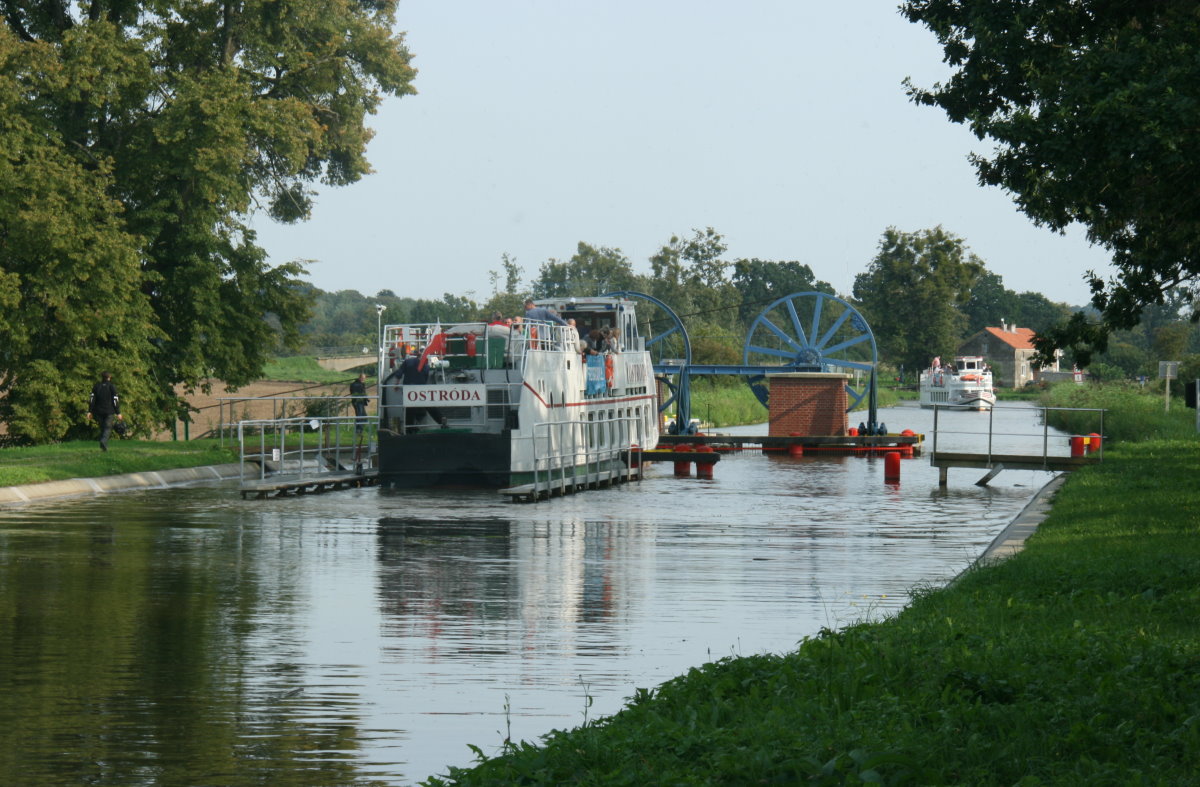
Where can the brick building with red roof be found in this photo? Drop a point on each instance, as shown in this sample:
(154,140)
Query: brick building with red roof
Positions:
(1009,351)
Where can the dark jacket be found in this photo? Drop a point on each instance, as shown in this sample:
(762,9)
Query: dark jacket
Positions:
(411,372)
(358,390)
(104,399)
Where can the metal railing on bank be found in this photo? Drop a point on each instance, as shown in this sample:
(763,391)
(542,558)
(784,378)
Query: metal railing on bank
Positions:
(284,408)
(1069,448)
(304,448)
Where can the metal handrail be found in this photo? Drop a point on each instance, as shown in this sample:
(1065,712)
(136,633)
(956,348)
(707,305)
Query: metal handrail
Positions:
(233,401)
(551,460)
(336,435)
(1045,433)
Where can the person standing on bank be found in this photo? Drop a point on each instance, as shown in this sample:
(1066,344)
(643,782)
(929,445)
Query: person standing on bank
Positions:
(358,393)
(104,406)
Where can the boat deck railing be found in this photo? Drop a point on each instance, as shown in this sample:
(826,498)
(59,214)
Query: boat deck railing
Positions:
(306,449)
(476,345)
(573,455)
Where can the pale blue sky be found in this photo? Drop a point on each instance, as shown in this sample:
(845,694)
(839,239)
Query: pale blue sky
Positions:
(542,123)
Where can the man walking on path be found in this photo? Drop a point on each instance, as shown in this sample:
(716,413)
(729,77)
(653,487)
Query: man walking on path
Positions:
(103,405)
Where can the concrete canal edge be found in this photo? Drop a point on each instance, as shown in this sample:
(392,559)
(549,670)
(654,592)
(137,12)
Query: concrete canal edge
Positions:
(1011,539)
(81,487)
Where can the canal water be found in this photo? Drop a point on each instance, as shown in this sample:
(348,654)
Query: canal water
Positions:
(185,636)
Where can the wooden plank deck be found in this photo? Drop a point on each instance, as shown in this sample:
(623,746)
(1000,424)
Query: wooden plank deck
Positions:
(944,460)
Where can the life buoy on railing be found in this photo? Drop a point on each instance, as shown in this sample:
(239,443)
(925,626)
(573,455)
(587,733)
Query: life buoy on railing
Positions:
(470,345)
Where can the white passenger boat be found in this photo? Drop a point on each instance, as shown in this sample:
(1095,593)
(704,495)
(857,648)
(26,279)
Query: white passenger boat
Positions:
(965,384)
(499,406)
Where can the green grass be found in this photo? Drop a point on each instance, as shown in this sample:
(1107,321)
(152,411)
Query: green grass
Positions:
(1132,414)
(730,402)
(305,369)
(1075,662)
(85,460)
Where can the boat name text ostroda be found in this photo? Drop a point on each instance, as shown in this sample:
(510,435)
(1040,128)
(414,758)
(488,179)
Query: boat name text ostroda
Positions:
(444,394)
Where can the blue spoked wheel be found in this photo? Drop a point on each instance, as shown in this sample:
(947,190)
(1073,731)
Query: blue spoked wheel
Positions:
(812,332)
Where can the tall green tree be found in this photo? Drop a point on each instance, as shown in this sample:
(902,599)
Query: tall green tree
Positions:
(760,282)
(183,118)
(592,270)
(1093,106)
(913,294)
(70,299)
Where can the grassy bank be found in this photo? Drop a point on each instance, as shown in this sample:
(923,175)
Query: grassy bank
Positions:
(306,369)
(730,402)
(85,460)
(1075,662)
(1132,413)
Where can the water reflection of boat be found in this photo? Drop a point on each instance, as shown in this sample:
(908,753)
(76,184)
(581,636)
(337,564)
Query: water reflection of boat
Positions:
(966,384)
(494,403)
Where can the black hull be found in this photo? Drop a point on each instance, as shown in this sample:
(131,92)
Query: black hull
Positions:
(444,458)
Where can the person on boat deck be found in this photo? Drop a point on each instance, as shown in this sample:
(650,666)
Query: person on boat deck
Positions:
(596,342)
(533,312)
(611,341)
(412,373)
(579,344)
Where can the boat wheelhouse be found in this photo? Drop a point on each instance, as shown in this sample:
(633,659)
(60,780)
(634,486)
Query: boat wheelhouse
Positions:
(495,405)
(965,384)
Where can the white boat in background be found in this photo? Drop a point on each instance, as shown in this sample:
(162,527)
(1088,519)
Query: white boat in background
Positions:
(965,384)
(511,404)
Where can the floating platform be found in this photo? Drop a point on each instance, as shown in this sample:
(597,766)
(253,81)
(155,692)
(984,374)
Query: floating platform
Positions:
(661,455)
(569,484)
(845,445)
(285,484)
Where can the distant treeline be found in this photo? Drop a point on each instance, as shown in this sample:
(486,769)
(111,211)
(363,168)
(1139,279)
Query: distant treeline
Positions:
(923,293)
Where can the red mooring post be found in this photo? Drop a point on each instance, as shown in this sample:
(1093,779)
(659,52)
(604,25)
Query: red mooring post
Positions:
(683,468)
(704,469)
(891,466)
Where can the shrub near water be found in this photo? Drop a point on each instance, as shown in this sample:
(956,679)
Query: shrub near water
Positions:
(1131,412)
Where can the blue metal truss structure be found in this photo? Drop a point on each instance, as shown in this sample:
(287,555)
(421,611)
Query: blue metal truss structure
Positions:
(801,332)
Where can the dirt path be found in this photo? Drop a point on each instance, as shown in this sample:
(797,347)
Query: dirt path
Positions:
(271,399)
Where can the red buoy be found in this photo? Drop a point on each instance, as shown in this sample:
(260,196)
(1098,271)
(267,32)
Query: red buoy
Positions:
(683,467)
(891,466)
(1093,443)
(796,449)
(704,469)
(852,431)
(1077,445)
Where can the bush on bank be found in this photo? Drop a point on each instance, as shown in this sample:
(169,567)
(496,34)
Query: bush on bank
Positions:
(1076,661)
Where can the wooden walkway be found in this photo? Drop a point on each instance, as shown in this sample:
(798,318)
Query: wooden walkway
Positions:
(994,463)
